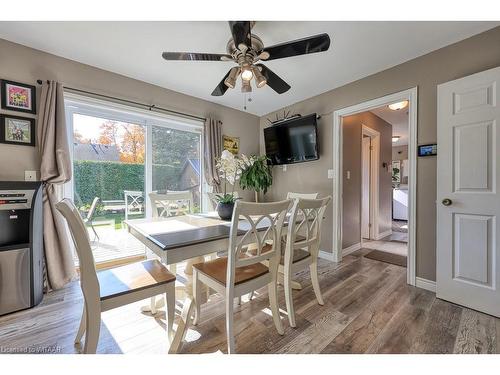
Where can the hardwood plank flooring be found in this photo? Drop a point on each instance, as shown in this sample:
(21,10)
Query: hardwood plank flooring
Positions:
(368,308)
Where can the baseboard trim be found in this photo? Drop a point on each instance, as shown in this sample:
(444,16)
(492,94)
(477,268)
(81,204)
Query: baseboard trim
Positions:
(327,255)
(351,249)
(426,284)
(384,234)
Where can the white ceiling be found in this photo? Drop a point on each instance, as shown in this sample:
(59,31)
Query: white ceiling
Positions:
(398,120)
(134,49)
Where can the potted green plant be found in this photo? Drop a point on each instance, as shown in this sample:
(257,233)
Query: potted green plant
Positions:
(229,168)
(256,174)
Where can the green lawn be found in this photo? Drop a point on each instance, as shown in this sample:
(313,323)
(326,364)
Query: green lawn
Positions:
(117,217)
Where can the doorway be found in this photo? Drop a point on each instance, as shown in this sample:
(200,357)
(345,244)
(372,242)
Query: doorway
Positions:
(341,176)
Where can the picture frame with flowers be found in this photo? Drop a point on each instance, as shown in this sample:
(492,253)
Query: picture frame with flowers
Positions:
(16,96)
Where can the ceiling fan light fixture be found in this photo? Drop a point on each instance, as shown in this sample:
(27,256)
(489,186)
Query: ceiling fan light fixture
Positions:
(260,80)
(246,74)
(245,86)
(230,81)
(398,106)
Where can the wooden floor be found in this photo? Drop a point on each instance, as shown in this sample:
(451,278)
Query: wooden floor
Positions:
(368,309)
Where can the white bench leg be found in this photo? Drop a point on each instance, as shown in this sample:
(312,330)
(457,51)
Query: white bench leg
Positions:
(170,310)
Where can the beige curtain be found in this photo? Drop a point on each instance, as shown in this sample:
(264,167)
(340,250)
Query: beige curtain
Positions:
(55,170)
(213,150)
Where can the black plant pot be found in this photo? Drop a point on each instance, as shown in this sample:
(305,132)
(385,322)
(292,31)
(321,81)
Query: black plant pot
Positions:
(225,210)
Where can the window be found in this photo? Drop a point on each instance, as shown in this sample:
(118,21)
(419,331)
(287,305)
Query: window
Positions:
(120,154)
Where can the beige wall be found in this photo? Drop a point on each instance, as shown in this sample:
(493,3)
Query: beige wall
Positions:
(351,160)
(23,64)
(469,56)
(400,152)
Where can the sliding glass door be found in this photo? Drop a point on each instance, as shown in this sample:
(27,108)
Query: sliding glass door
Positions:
(120,155)
(176,163)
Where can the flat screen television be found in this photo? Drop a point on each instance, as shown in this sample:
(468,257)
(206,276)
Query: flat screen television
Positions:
(292,141)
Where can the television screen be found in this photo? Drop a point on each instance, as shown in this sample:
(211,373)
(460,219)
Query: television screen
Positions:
(292,141)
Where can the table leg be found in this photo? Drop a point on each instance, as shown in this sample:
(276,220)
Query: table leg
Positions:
(189,264)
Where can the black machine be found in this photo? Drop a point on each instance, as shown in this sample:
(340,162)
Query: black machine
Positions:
(21,245)
(292,141)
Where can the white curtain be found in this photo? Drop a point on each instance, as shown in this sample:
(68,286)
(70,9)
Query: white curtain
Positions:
(213,150)
(55,170)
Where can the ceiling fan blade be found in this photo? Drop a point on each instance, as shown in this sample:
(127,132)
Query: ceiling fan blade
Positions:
(273,80)
(221,87)
(241,32)
(194,56)
(312,44)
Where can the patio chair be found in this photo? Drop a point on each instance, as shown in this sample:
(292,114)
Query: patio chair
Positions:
(90,216)
(133,200)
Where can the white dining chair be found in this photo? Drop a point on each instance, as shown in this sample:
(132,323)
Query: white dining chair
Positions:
(302,247)
(171,203)
(109,289)
(241,272)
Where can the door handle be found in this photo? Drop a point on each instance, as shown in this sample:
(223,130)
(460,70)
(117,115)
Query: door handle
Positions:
(446,202)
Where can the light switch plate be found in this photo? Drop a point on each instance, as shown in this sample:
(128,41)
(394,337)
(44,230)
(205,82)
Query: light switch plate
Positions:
(348,175)
(330,173)
(29,175)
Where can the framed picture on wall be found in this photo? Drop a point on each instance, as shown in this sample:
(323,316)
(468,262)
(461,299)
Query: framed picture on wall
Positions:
(396,171)
(17,96)
(232,144)
(17,130)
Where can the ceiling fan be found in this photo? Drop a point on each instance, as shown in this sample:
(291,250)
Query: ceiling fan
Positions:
(246,49)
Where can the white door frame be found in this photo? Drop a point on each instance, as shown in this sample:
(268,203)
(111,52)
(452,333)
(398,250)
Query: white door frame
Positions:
(411,96)
(374,181)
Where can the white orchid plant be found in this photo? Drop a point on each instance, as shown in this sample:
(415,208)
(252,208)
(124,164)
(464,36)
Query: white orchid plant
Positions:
(252,172)
(229,168)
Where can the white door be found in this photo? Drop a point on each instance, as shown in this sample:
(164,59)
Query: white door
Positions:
(468,203)
(365,187)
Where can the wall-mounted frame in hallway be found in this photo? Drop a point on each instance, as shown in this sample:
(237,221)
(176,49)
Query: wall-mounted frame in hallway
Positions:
(411,96)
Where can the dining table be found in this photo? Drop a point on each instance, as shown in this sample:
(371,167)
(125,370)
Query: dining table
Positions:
(186,238)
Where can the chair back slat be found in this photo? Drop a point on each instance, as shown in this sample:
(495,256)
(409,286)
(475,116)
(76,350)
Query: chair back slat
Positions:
(81,240)
(263,224)
(306,220)
(292,195)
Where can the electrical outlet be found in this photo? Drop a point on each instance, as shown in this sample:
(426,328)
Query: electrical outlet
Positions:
(284,167)
(29,175)
(330,174)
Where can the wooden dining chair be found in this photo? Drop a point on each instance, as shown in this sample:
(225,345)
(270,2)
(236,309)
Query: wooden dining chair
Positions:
(302,246)
(171,203)
(241,272)
(109,289)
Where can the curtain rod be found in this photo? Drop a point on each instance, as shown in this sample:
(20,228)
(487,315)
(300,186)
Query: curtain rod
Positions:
(148,106)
